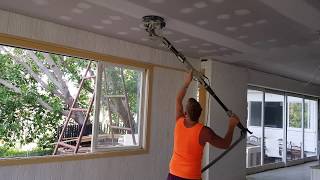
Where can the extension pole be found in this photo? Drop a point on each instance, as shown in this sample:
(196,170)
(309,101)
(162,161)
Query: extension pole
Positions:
(155,22)
(201,78)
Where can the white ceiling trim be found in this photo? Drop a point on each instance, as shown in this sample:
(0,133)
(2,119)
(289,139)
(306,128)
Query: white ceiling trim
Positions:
(138,12)
(299,11)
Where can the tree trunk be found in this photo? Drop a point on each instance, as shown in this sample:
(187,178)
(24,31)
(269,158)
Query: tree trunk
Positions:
(118,105)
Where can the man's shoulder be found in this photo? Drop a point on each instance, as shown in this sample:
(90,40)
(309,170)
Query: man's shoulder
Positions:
(181,118)
(205,131)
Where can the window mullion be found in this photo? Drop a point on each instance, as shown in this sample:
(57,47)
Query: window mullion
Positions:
(262,128)
(302,124)
(285,129)
(95,129)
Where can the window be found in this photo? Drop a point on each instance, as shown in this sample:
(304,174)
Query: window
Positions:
(37,90)
(310,127)
(284,126)
(254,140)
(310,109)
(120,107)
(273,116)
(295,131)
(295,114)
(255,113)
(273,128)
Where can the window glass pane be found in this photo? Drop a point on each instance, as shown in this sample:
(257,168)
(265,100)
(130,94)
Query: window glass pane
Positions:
(273,128)
(310,127)
(253,150)
(120,107)
(37,90)
(255,113)
(294,128)
(273,114)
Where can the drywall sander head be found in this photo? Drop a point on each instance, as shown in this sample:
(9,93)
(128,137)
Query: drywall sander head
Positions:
(153,24)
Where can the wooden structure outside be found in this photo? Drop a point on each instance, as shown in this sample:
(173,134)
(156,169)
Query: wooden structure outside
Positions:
(63,142)
(114,127)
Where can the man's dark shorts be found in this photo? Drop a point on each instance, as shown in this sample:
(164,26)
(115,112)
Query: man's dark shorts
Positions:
(173,177)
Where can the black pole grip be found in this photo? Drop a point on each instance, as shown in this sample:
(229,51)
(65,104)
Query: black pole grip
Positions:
(243,128)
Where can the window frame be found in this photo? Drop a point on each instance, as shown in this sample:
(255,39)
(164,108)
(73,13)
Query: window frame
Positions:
(142,107)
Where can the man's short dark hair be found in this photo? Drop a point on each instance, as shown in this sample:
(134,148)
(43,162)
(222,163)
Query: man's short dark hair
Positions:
(193,109)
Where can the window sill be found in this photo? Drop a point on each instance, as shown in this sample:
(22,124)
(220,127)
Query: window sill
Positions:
(131,151)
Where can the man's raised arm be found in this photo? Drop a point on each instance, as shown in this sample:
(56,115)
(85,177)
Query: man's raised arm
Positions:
(181,94)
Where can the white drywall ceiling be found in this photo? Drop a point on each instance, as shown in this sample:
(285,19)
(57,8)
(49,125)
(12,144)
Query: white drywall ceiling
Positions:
(269,35)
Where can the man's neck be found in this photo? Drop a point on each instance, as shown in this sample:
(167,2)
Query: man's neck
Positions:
(188,123)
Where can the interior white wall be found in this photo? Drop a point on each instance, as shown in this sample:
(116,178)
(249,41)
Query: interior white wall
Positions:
(166,82)
(230,84)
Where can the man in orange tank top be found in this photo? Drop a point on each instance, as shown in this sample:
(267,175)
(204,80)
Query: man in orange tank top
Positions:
(190,137)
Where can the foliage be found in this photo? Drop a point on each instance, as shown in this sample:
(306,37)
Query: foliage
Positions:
(36,92)
(11,152)
(23,119)
(112,84)
(295,115)
(131,78)
(132,83)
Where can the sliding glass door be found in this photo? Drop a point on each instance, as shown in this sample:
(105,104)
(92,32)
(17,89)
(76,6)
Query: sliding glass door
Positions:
(254,140)
(284,126)
(294,128)
(310,127)
(273,127)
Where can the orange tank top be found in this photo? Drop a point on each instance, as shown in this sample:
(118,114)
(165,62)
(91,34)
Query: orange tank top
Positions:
(187,151)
